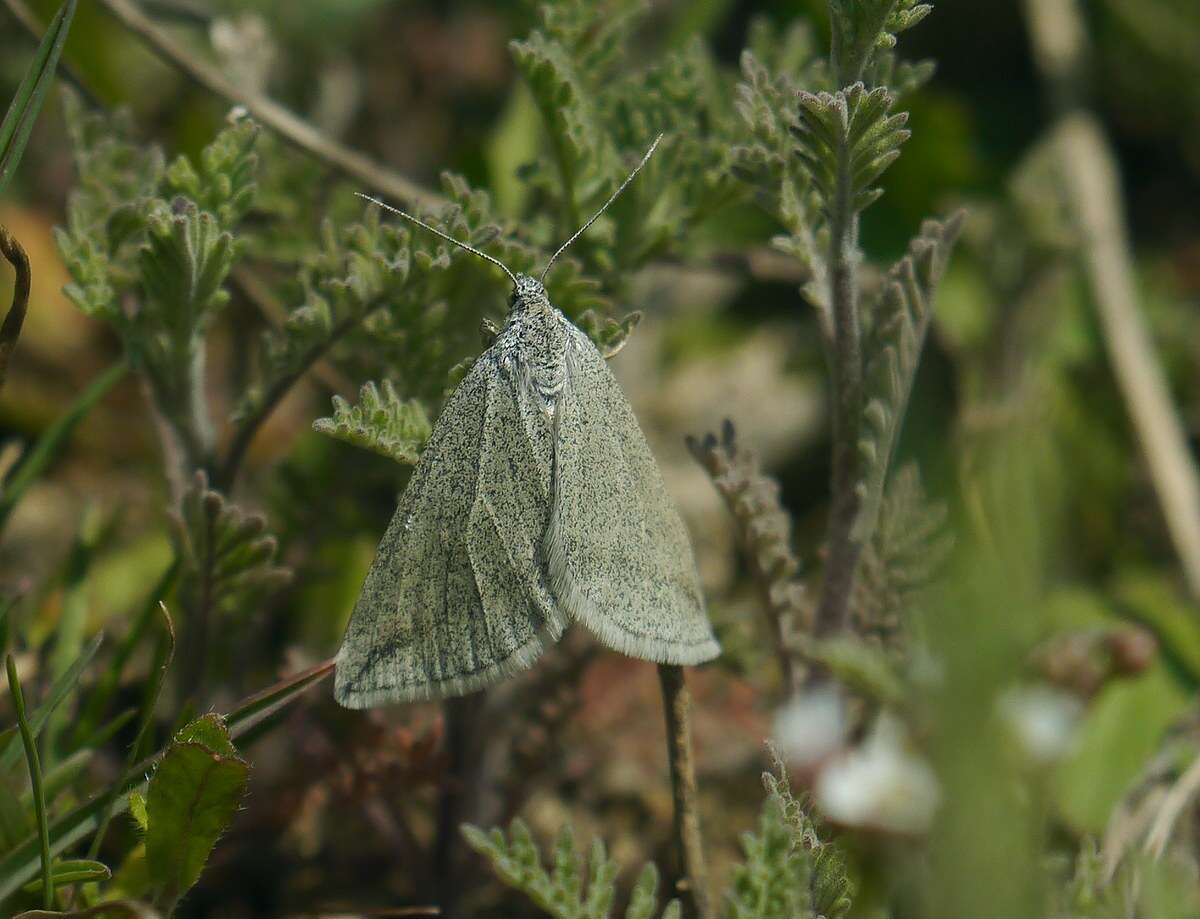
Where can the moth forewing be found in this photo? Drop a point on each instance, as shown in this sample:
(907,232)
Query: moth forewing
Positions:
(617,550)
(455,600)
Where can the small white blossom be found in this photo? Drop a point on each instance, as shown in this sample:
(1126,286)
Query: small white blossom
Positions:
(1043,719)
(882,785)
(811,727)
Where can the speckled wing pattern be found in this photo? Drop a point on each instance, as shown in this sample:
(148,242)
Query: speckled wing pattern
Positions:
(456,597)
(618,553)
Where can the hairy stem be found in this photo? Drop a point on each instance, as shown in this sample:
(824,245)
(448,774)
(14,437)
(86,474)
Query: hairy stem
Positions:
(15,318)
(846,373)
(677,708)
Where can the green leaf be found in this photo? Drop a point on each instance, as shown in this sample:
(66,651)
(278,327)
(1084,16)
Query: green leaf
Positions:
(847,140)
(789,872)
(898,327)
(863,27)
(27,103)
(137,810)
(20,864)
(908,549)
(53,440)
(192,798)
(74,871)
(227,552)
(560,891)
(381,422)
(1124,727)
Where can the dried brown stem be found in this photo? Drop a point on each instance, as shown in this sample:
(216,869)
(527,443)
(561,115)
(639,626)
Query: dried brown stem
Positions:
(15,318)
(677,708)
(1092,181)
(283,122)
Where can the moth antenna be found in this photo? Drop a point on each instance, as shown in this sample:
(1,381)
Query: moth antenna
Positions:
(446,236)
(596,216)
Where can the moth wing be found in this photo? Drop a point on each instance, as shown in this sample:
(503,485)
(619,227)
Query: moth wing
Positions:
(618,553)
(454,600)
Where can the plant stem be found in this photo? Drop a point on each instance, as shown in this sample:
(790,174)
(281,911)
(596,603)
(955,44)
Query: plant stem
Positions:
(35,779)
(283,122)
(15,318)
(462,737)
(227,471)
(677,709)
(1092,182)
(846,374)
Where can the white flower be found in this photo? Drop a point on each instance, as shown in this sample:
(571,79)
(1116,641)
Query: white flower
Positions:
(882,785)
(810,727)
(1043,719)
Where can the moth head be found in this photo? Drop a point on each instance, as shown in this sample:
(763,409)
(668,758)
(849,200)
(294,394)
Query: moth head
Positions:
(525,290)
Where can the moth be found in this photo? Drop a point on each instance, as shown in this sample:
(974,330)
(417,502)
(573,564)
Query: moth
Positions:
(536,503)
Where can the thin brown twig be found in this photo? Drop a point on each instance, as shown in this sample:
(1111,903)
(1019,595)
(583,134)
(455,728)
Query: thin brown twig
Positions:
(282,121)
(677,705)
(1092,180)
(15,318)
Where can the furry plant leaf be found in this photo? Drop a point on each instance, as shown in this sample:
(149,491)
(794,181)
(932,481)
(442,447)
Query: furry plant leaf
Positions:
(381,421)
(561,891)
(900,321)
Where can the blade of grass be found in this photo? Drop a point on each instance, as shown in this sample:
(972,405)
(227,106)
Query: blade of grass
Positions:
(166,654)
(48,446)
(20,865)
(35,779)
(23,112)
(106,686)
(58,692)
(75,871)
(58,777)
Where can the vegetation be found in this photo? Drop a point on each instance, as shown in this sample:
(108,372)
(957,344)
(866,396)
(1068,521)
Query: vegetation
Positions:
(950,533)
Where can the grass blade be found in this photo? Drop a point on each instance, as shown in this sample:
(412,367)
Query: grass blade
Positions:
(23,112)
(20,866)
(48,446)
(106,687)
(35,778)
(58,692)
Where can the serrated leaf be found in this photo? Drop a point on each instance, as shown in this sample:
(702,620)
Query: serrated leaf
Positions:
(225,548)
(21,864)
(560,891)
(899,322)
(908,548)
(846,140)
(381,422)
(190,801)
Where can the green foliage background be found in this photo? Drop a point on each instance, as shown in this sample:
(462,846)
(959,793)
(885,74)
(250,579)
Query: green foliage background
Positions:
(172,242)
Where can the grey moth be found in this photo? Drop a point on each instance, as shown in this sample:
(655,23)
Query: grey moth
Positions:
(536,503)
